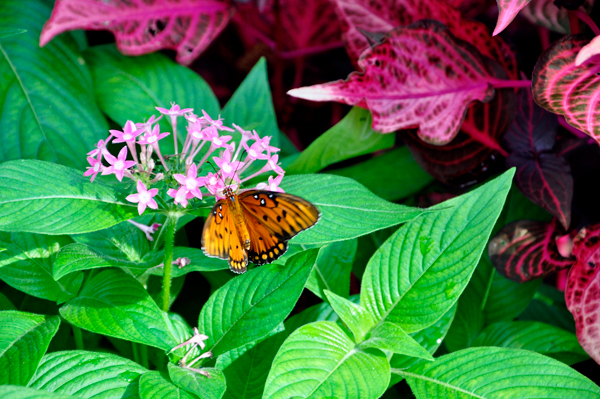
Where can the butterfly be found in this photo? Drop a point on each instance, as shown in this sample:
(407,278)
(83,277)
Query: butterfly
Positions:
(254,225)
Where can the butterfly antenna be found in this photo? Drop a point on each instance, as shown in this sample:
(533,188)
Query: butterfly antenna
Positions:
(238,167)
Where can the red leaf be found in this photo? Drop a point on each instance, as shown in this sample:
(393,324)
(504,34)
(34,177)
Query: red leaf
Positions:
(474,151)
(526,250)
(381,16)
(419,76)
(583,290)
(507,11)
(563,88)
(144,26)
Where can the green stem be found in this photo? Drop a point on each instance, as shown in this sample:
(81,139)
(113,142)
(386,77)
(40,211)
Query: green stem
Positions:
(167,265)
(136,352)
(78,337)
(144,355)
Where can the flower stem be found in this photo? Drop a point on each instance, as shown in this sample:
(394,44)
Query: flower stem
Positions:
(78,337)
(171,223)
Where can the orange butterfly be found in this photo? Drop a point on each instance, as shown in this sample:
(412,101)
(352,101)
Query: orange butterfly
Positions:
(256,226)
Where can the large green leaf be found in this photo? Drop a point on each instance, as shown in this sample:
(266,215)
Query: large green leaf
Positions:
(420,271)
(8,32)
(390,337)
(357,319)
(348,210)
(129,88)
(248,307)
(198,384)
(320,360)
(154,385)
(27,266)
(251,106)
(15,392)
(333,268)
(115,304)
(46,198)
(496,373)
(350,137)
(548,306)
(380,174)
(534,336)
(48,109)
(88,375)
(24,338)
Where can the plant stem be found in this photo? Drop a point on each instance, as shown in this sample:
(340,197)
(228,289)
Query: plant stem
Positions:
(588,20)
(136,352)
(503,84)
(171,223)
(144,355)
(78,337)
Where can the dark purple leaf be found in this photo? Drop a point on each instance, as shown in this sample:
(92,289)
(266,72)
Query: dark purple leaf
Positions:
(525,250)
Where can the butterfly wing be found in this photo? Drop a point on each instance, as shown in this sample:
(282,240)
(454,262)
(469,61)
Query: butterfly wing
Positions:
(272,219)
(220,238)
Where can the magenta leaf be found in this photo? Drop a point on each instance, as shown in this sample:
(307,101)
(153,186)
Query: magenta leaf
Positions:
(381,16)
(542,175)
(563,88)
(507,11)
(145,26)
(420,75)
(475,151)
(526,250)
(583,290)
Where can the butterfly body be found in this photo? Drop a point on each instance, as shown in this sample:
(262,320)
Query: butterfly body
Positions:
(255,226)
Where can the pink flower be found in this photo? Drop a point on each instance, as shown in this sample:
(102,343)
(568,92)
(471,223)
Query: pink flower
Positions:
(181,196)
(228,168)
(216,123)
(174,110)
(246,135)
(128,134)
(218,141)
(152,137)
(213,183)
(191,182)
(118,165)
(272,164)
(144,197)
(273,184)
(264,144)
(255,151)
(147,126)
(94,168)
(100,147)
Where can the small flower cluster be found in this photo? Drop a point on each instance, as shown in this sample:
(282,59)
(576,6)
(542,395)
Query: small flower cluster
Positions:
(179,173)
(197,340)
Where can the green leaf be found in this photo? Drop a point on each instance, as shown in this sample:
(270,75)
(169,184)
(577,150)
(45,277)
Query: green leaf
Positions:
(46,198)
(549,307)
(420,271)
(497,373)
(333,268)
(246,375)
(343,203)
(350,137)
(320,360)
(5,303)
(534,336)
(88,375)
(24,338)
(8,32)
(129,88)
(197,384)
(48,109)
(380,174)
(358,320)
(430,338)
(390,337)
(249,306)
(251,106)
(154,386)
(115,304)
(27,266)
(13,392)
(320,312)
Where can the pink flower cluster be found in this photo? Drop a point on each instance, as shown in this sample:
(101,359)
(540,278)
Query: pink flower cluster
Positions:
(205,137)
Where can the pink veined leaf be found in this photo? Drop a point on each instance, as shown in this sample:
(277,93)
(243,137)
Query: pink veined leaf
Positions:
(542,175)
(526,250)
(381,16)
(419,75)
(545,13)
(563,88)
(588,51)
(144,26)
(507,11)
(583,290)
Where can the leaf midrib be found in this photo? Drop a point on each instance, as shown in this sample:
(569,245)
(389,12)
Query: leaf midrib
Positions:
(406,374)
(17,339)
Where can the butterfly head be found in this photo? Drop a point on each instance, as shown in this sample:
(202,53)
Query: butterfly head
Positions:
(229,193)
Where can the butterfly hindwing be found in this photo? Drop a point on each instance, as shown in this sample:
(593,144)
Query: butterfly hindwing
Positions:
(273,218)
(220,238)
